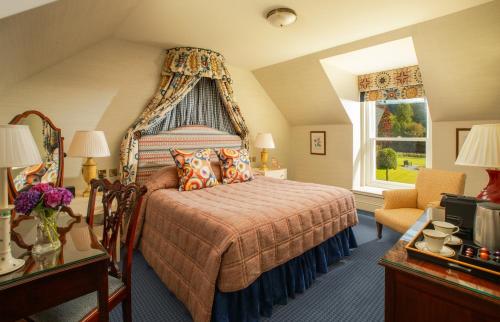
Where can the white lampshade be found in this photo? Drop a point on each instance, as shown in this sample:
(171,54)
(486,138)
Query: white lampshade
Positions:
(264,141)
(481,147)
(17,147)
(89,144)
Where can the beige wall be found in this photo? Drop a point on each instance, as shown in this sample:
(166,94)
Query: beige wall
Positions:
(458,55)
(443,154)
(106,86)
(460,64)
(261,115)
(334,168)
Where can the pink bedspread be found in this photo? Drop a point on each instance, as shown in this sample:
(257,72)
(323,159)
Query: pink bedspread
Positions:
(227,236)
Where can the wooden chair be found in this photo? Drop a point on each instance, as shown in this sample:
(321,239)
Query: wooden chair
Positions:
(121,206)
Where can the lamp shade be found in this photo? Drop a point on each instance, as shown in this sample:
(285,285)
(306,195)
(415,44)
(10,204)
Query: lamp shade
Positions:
(17,147)
(89,144)
(481,147)
(264,141)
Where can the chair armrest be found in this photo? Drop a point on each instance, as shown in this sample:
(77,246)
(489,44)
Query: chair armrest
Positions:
(434,204)
(400,198)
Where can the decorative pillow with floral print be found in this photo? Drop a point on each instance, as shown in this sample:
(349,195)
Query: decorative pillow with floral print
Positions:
(235,165)
(193,169)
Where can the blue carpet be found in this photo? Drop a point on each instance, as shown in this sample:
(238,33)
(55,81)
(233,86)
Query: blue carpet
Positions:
(353,290)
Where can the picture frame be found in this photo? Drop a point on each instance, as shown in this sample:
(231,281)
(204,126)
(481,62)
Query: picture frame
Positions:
(460,136)
(317,142)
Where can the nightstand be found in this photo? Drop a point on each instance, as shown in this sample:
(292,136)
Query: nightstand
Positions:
(273,173)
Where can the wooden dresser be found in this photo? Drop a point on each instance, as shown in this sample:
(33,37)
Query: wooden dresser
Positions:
(420,291)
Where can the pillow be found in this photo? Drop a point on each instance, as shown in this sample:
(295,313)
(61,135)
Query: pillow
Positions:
(193,169)
(235,165)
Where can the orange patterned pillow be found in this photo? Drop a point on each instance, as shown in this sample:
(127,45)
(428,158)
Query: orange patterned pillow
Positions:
(194,169)
(235,165)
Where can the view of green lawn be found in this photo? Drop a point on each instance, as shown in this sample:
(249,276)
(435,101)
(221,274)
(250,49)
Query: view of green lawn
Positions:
(402,174)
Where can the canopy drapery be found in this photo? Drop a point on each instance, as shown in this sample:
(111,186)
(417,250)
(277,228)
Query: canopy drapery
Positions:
(392,84)
(182,69)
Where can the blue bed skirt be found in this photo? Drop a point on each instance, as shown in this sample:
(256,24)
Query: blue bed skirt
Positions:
(283,282)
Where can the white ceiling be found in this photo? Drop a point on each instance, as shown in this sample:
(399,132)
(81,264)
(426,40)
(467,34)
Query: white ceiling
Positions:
(11,7)
(386,56)
(239,30)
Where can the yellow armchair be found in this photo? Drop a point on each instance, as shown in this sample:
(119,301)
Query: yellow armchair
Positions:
(402,207)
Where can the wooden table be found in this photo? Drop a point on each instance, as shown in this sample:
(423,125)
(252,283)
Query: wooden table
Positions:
(79,267)
(417,290)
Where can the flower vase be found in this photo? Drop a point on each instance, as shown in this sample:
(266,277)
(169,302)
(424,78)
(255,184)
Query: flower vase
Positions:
(47,237)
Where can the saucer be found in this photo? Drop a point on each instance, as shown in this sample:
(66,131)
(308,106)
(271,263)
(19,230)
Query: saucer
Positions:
(445,251)
(454,241)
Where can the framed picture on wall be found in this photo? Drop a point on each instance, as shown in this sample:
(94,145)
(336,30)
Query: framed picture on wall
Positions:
(318,142)
(461,135)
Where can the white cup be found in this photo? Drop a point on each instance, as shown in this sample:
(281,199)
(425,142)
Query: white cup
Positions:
(445,227)
(435,239)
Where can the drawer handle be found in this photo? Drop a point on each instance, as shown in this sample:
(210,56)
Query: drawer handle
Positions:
(464,269)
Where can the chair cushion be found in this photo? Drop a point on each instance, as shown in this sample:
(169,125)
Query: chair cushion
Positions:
(400,219)
(76,309)
(431,183)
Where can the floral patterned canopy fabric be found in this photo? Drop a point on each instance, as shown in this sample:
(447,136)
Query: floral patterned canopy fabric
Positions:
(393,84)
(182,69)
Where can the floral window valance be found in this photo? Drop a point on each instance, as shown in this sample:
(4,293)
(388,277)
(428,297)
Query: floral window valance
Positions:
(392,84)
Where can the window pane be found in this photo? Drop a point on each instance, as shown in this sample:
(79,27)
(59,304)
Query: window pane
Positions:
(401,118)
(398,161)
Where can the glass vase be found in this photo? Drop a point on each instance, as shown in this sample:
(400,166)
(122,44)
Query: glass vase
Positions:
(47,237)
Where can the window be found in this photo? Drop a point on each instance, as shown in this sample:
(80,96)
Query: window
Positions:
(396,141)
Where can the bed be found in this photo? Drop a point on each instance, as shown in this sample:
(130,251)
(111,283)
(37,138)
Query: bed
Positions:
(231,251)
(212,247)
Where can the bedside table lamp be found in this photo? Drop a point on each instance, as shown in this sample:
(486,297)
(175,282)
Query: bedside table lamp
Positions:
(17,149)
(264,141)
(89,144)
(482,149)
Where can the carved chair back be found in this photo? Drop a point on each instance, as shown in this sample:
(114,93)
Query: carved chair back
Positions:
(121,205)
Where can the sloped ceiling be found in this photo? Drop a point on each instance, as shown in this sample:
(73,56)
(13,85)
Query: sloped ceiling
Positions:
(239,30)
(35,39)
(459,57)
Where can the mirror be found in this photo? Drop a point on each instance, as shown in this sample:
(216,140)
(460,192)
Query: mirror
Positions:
(50,144)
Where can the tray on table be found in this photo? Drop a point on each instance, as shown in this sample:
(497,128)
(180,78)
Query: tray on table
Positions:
(473,265)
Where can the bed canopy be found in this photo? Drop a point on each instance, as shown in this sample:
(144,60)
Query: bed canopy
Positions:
(185,96)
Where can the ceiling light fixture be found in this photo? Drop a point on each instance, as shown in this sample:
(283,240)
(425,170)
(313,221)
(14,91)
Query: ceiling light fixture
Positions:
(281,17)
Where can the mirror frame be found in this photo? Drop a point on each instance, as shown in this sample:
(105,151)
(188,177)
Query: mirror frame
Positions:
(16,120)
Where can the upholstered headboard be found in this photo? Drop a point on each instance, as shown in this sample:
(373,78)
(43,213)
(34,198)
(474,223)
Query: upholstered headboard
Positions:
(154,149)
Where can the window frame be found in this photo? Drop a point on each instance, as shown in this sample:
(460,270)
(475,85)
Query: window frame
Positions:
(369,140)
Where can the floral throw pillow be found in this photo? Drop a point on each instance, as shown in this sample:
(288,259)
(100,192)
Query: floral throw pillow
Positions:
(235,165)
(194,170)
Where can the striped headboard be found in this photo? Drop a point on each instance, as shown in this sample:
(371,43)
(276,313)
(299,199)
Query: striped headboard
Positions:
(154,149)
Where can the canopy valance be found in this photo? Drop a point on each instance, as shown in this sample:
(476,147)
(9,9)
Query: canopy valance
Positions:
(182,69)
(195,62)
(393,84)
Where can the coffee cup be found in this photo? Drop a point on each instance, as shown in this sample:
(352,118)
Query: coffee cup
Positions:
(435,239)
(445,227)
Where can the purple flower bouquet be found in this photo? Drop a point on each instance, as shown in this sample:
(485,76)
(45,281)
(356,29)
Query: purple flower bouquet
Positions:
(45,202)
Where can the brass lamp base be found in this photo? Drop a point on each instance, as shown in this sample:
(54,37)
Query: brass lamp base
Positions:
(264,156)
(89,172)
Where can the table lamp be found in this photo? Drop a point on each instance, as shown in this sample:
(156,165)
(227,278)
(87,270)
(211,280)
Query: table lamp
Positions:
(17,149)
(482,149)
(89,144)
(264,141)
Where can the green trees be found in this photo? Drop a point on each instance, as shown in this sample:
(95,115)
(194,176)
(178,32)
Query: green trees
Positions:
(387,159)
(402,120)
